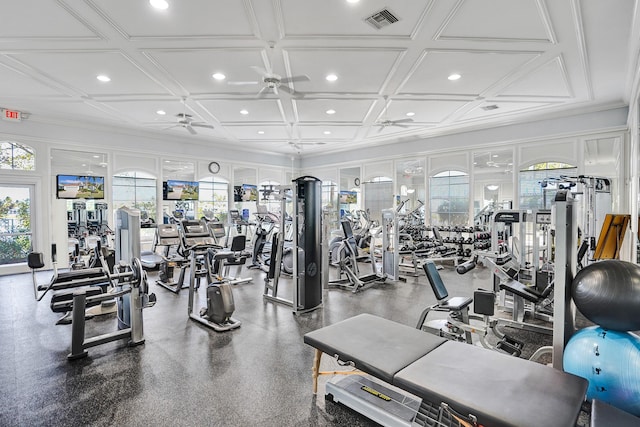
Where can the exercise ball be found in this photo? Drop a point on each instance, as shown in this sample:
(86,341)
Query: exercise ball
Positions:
(608,294)
(610,361)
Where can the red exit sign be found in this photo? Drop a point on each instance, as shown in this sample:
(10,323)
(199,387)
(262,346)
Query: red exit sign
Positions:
(11,115)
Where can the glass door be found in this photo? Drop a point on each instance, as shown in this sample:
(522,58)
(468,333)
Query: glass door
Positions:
(15,223)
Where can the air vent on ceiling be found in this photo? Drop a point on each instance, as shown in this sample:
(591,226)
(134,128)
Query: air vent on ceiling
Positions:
(381,18)
(490,107)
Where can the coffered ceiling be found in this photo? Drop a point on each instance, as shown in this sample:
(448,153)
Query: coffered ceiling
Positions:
(515,59)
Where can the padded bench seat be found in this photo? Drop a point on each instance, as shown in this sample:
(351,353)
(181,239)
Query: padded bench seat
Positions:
(374,345)
(605,415)
(500,390)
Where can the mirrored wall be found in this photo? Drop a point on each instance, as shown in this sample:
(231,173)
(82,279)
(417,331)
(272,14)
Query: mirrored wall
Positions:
(179,190)
(245,192)
(80,213)
(411,188)
(492,181)
(349,193)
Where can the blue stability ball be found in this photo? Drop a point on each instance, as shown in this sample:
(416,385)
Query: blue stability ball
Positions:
(608,294)
(610,361)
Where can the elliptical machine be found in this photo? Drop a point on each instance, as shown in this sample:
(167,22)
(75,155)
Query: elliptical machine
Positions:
(220,305)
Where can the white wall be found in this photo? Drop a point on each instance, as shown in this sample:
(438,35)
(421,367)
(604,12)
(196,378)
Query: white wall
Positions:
(533,140)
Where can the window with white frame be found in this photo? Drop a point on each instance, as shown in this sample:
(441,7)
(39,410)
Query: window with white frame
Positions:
(540,182)
(213,201)
(449,198)
(16,156)
(136,190)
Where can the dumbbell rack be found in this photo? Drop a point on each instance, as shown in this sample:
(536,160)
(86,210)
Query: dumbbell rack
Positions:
(464,238)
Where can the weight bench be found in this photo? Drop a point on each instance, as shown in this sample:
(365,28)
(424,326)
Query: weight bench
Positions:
(495,389)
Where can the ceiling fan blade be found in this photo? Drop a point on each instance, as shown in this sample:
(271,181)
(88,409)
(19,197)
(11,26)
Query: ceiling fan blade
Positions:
(191,130)
(380,127)
(400,125)
(292,93)
(300,78)
(263,92)
(260,70)
(201,125)
(171,127)
(242,83)
(408,120)
(286,89)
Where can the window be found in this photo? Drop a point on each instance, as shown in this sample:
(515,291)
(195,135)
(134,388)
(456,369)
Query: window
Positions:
(213,201)
(16,156)
(15,223)
(533,195)
(449,199)
(135,190)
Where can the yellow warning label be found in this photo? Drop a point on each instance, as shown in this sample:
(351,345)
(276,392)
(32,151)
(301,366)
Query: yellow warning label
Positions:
(375,393)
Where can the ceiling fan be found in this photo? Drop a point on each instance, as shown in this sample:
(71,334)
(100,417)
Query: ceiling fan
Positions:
(298,145)
(273,82)
(387,122)
(186,121)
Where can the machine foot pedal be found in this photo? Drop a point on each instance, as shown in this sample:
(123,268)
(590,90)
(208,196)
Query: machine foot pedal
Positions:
(510,345)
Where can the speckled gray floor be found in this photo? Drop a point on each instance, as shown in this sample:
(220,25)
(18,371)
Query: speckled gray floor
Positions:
(186,374)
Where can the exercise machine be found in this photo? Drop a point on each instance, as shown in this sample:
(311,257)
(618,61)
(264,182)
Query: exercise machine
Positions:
(76,291)
(591,197)
(347,264)
(218,312)
(305,195)
(267,222)
(168,237)
(458,326)
(233,256)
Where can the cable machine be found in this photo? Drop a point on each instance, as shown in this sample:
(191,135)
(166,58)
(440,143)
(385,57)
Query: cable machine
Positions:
(305,195)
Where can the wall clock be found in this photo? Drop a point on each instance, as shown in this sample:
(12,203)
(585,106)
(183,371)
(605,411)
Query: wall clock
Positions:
(214,167)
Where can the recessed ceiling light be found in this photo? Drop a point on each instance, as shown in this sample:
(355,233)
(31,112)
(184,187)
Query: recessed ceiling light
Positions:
(331,77)
(161,112)
(103,78)
(167,161)
(353,1)
(95,156)
(454,76)
(244,112)
(327,132)
(411,114)
(330,111)
(495,155)
(219,76)
(260,132)
(159,4)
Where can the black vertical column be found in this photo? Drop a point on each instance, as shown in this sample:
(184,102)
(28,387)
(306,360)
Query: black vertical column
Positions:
(309,201)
